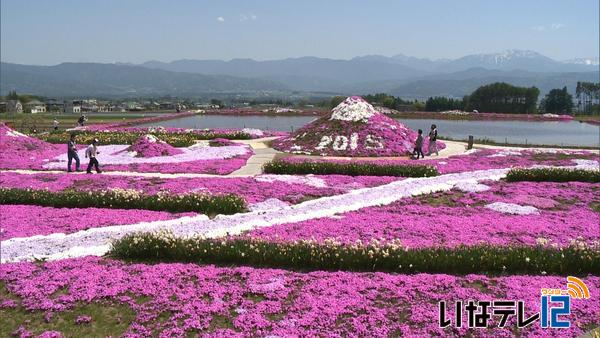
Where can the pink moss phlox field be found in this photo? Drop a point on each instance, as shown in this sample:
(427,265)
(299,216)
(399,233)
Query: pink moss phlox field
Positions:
(30,220)
(253,133)
(458,218)
(353,128)
(481,159)
(150,146)
(252,189)
(221,142)
(259,302)
(214,167)
(19,151)
(134,122)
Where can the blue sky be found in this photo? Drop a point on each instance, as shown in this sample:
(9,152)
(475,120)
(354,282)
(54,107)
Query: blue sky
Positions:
(50,32)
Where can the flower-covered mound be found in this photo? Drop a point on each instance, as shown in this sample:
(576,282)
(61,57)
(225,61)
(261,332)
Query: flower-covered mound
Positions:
(353,128)
(173,300)
(21,151)
(150,146)
(31,220)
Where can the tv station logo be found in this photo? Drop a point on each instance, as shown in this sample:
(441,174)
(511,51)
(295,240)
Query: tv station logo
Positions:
(555,308)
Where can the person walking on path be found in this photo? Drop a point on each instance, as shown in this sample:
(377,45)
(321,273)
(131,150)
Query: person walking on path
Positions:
(72,153)
(433,134)
(419,145)
(92,152)
(55,124)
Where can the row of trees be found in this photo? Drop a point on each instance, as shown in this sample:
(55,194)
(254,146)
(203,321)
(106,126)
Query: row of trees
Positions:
(588,97)
(440,103)
(502,97)
(505,98)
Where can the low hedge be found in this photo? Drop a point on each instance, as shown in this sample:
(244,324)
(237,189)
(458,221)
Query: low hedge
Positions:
(351,169)
(553,175)
(126,199)
(176,139)
(309,255)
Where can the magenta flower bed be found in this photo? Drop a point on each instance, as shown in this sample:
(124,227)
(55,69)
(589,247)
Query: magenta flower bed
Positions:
(173,299)
(150,146)
(253,189)
(30,220)
(150,119)
(19,151)
(480,160)
(215,167)
(458,218)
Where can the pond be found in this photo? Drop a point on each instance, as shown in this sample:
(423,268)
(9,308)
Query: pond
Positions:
(571,133)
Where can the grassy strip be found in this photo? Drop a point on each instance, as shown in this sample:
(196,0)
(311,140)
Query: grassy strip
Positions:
(553,175)
(126,199)
(352,169)
(127,137)
(309,255)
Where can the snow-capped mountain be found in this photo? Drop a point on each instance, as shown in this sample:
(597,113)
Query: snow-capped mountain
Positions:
(584,61)
(508,60)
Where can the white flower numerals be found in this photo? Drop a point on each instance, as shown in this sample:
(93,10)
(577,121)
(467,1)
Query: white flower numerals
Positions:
(373,142)
(341,142)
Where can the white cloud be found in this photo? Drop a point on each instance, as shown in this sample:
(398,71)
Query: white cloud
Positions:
(551,27)
(221,19)
(246,17)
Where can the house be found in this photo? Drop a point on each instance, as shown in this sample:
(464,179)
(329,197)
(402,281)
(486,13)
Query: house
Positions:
(35,106)
(14,106)
(72,107)
(54,105)
(37,109)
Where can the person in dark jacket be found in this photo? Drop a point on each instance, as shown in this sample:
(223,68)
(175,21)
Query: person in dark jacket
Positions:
(433,134)
(72,153)
(419,145)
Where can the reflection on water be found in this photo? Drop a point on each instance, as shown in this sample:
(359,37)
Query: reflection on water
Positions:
(547,132)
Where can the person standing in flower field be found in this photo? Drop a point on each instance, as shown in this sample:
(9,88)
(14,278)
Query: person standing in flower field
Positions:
(72,153)
(419,145)
(433,140)
(92,152)
(55,124)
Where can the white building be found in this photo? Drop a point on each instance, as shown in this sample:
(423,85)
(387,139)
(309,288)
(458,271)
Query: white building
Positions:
(38,109)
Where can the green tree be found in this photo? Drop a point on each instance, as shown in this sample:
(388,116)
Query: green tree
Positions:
(557,101)
(502,97)
(588,97)
(443,103)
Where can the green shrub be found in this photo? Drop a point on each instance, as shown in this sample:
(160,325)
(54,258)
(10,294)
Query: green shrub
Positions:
(351,168)
(126,199)
(176,139)
(553,175)
(310,255)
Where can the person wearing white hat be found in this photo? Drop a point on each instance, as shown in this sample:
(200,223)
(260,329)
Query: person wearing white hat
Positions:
(92,152)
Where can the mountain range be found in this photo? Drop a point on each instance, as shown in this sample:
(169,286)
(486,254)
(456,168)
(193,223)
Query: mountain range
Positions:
(401,75)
